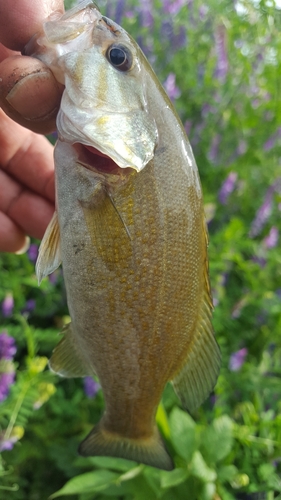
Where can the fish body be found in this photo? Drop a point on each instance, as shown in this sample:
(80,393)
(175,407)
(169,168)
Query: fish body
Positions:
(131,235)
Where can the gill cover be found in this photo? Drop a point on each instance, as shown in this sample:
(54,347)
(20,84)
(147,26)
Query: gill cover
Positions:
(101,106)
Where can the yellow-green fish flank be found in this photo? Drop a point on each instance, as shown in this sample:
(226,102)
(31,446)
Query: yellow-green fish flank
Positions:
(131,235)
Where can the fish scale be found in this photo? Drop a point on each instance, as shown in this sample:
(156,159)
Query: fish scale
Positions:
(131,236)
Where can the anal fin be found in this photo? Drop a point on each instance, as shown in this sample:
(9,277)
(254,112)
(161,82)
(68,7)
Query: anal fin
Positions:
(67,360)
(49,257)
(197,378)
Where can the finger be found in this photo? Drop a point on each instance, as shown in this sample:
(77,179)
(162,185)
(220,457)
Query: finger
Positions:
(20,20)
(27,210)
(12,238)
(29,93)
(27,157)
(4,52)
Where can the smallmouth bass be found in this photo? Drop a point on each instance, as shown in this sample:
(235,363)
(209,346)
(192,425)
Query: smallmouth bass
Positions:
(130,232)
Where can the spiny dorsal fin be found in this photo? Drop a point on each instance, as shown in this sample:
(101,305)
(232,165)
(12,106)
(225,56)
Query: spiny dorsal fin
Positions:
(49,257)
(67,360)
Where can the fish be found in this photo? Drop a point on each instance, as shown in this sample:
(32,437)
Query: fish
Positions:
(130,232)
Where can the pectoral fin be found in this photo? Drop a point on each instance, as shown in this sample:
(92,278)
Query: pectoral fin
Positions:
(67,359)
(49,257)
(112,240)
(199,374)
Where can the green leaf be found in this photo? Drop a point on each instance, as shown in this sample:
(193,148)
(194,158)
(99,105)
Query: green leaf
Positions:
(274,482)
(208,491)
(152,476)
(227,473)
(131,474)
(120,464)
(140,489)
(173,478)
(265,471)
(235,229)
(162,421)
(217,439)
(183,434)
(200,469)
(90,481)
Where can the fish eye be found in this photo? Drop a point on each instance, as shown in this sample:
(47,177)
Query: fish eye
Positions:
(120,57)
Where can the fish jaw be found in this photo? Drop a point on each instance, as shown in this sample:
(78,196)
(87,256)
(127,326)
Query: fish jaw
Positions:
(103,168)
(95,109)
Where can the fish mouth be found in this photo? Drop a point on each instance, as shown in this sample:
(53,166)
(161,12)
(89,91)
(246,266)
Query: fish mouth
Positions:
(95,160)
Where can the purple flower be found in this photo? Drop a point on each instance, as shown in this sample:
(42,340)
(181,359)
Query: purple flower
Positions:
(7,372)
(262,215)
(7,444)
(170,86)
(227,187)
(147,20)
(179,39)
(119,11)
(174,6)
(214,149)
(7,346)
(276,462)
(203,11)
(207,109)
(7,440)
(91,387)
(53,278)
(221,52)
(237,309)
(242,147)
(129,14)
(213,399)
(187,127)
(271,141)
(8,305)
(6,380)
(261,261)
(32,252)
(167,29)
(270,241)
(176,39)
(29,306)
(237,359)
(146,47)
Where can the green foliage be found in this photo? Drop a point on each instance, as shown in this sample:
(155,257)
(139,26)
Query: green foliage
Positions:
(227,65)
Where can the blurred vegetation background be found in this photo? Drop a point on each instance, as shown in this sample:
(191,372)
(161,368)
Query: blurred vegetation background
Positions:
(220,62)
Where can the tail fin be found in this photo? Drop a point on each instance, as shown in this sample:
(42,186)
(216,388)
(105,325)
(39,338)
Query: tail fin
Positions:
(149,451)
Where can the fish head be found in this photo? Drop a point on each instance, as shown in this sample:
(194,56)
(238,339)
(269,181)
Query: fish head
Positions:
(104,104)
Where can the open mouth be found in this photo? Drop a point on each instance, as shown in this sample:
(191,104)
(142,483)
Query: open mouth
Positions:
(93,159)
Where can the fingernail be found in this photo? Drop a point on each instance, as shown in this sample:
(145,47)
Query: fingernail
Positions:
(25,247)
(35,96)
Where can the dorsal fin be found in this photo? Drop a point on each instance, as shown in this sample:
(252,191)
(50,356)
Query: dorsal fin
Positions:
(67,359)
(199,374)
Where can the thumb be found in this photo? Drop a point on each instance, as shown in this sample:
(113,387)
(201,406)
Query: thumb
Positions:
(29,93)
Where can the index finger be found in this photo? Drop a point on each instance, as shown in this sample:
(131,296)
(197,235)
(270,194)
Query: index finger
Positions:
(20,20)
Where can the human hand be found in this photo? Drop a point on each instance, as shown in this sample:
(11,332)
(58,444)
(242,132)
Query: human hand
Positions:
(30,95)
